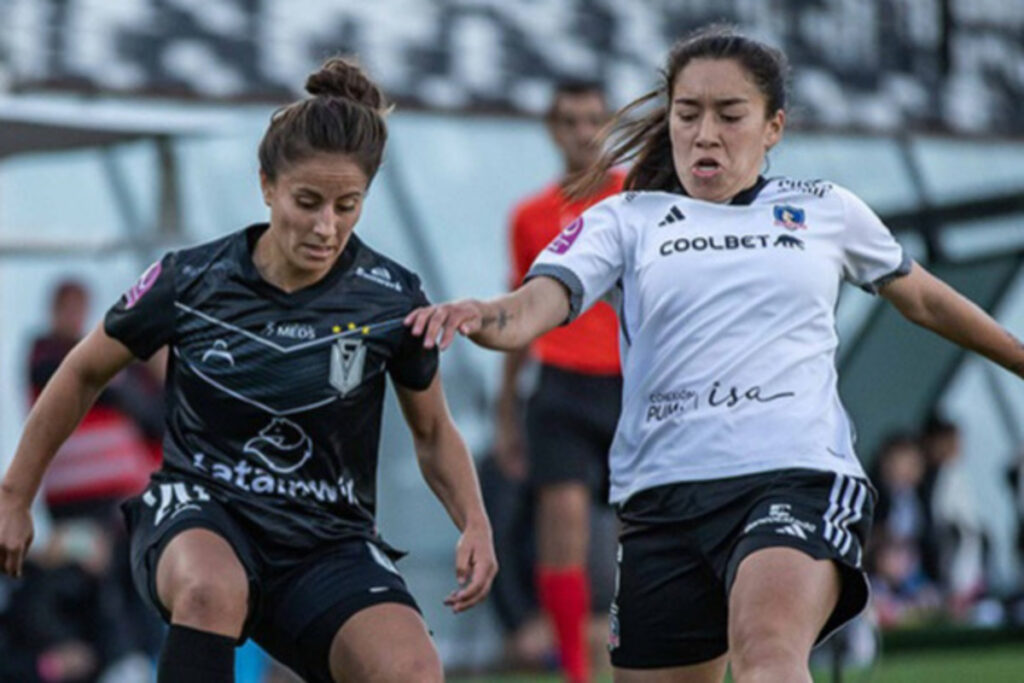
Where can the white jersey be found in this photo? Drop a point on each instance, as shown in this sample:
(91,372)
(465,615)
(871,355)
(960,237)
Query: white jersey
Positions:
(727,324)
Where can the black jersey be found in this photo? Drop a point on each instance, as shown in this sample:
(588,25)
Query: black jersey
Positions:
(274,399)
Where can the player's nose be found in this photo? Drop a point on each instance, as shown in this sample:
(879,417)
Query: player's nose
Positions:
(324,226)
(707,132)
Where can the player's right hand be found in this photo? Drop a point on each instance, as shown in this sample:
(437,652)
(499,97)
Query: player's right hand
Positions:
(445,320)
(475,568)
(16,534)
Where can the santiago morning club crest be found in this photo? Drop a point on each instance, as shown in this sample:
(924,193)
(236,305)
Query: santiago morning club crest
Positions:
(348,356)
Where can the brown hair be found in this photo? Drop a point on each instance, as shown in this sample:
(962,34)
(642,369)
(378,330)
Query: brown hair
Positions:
(645,140)
(68,288)
(571,88)
(345,115)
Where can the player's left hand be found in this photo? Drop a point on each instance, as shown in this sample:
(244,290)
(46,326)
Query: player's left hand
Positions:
(475,567)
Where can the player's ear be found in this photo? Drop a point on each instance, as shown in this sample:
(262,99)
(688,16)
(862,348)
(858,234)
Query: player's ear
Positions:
(266,187)
(773,130)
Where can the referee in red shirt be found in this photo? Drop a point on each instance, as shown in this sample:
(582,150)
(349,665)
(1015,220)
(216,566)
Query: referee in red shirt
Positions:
(571,416)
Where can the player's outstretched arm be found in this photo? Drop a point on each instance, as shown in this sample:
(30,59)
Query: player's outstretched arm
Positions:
(65,400)
(931,303)
(448,469)
(508,322)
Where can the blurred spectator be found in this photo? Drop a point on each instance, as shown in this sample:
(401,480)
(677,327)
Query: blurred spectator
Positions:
(108,458)
(903,512)
(1015,478)
(959,541)
(902,594)
(1014,600)
(62,622)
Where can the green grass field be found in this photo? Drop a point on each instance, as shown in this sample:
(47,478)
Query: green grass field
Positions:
(1004,664)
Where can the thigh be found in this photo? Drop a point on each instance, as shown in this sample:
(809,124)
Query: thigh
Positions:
(306,607)
(823,517)
(178,532)
(669,609)
(781,596)
(385,643)
(563,524)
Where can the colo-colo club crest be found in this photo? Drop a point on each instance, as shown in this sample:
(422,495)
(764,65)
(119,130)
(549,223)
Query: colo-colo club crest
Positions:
(348,356)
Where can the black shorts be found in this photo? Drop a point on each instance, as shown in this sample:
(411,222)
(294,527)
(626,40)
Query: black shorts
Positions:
(570,422)
(681,545)
(296,605)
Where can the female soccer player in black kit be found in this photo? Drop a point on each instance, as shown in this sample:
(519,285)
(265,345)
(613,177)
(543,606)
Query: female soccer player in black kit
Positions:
(261,522)
(744,509)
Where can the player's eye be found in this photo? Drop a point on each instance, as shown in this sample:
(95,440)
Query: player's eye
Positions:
(688,117)
(306,202)
(347,207)
(733,112)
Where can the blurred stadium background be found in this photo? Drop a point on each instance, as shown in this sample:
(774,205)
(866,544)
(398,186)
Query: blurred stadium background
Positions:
(130,126)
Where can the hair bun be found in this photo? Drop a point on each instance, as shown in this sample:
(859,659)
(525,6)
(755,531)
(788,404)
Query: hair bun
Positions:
(340,77)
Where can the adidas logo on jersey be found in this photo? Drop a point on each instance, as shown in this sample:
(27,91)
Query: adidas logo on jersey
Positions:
(792,530)
(781,514)
(672,216)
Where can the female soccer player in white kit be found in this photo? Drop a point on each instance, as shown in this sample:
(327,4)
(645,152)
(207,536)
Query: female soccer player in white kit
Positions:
(743,505)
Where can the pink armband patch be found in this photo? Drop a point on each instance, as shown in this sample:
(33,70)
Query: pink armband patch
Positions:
(144,284)
(565,239)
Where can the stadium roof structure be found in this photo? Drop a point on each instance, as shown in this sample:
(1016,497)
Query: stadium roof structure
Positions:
(41,124)
(48,123)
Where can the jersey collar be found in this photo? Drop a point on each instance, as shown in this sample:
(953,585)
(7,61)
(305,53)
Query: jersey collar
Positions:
(301,296)
(743,198)
(746,197)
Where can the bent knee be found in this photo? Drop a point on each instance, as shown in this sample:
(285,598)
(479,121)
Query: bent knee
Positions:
(400,668)
(752,649)
(566,498)
(209,604)
(416,668)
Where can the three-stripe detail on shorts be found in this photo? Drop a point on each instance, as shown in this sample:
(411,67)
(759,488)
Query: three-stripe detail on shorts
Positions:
(845,508)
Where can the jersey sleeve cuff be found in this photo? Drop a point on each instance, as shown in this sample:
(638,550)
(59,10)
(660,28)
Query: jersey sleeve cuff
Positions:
(901,270)
(140,349)
(567,278)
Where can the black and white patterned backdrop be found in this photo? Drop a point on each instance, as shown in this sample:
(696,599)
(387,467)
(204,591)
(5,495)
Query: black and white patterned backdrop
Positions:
(952,65)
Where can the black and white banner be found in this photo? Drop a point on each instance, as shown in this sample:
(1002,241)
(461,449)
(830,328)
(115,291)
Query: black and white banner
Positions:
(880,64)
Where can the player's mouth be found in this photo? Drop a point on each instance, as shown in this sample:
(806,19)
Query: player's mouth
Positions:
(317,252)
(706,167)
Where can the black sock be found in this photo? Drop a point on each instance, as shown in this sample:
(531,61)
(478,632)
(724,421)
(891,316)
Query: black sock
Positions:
(193,656)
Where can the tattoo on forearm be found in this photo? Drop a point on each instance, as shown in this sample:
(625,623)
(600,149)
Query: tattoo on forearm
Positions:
(501,319)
